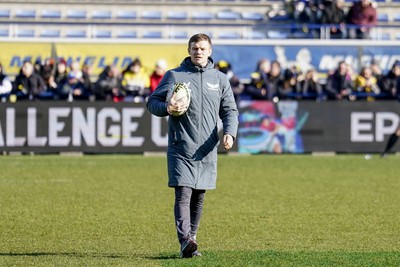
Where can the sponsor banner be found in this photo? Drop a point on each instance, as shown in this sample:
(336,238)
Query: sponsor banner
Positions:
(265,127)
(323,56)
(97,55)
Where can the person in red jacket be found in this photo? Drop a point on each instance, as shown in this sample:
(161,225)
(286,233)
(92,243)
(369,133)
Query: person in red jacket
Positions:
(360,18)
(158,73)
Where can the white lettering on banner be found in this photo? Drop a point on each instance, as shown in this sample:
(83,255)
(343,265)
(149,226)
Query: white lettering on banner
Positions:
(84,127)
(11,139)
(130,127)
(56,126)
(362,129)
(112,136)
(382,128)
(357,126)
(33,139)
(156,133)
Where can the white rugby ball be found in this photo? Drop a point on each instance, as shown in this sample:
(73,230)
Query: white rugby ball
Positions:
(179,94)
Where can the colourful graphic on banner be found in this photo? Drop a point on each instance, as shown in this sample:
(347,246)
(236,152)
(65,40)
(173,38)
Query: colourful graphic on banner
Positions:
(263,131)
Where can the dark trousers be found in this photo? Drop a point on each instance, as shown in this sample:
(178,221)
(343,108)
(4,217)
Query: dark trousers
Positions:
(188,210)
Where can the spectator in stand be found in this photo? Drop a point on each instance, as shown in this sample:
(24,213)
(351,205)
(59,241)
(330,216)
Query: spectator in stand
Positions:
(275,80)
(28,84)
(237,87)
(75,88)
(376,70)
(361,17)
(135,82)
(390,83)
(308,12)
(158,73)
(87,83)
(310,88)
(60,83)
(108,86)
(288,87)
(339,84)
(5,84)
(334,15)
(366,86)
(259,87)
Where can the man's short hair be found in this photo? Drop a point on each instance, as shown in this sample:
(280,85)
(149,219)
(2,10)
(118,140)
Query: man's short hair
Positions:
(198,38)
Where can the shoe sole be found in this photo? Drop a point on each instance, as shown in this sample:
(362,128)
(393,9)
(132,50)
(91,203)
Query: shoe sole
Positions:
(189,249)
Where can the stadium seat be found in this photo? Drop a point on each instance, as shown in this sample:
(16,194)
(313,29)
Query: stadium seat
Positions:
(102,34)
(396,17)
(50,14)
(126,34)
(279,17)
(154,15)
(255,16)
(202,15)
(152,34)
(228,15)
(4,33)
(177,15)
(25,13)
(76,14)
(256,35)
(397,37)
(75,33)
(277,35)
(229,35)
(4,13)
(126,14)
(25,33)
(178,35)
(101,14)
(50,33)
(382,17)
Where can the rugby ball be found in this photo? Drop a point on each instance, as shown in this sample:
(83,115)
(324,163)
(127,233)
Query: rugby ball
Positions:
(179,94)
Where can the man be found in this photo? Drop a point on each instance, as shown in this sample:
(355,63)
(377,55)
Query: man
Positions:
(193,137)
(391,142)
(361,16)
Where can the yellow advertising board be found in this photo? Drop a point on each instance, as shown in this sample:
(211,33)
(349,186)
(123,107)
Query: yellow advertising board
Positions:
(97,55)
(13,54)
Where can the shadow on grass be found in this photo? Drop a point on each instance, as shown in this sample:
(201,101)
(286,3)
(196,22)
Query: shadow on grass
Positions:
(67,254)
(169,256)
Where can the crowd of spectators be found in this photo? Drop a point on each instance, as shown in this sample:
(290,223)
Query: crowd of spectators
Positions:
(354,22)
(56,81)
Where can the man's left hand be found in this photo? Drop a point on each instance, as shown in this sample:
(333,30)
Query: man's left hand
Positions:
(228,141)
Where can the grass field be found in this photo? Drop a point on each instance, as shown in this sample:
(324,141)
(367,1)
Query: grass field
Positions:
(116,210)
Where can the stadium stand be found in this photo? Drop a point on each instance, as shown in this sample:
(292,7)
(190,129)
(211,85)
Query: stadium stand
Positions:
(4,13)
(50,33)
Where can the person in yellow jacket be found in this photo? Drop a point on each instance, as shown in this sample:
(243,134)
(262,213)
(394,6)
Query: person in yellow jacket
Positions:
(135,82)
(366,84)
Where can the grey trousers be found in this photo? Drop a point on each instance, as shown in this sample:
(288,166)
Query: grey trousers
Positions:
(188,209)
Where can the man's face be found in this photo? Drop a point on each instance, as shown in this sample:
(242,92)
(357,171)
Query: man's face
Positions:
(199,53)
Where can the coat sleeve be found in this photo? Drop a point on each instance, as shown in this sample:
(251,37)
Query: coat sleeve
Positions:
(156,103)
(228,111)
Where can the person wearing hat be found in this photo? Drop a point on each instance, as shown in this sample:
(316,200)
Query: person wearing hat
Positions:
(158,73)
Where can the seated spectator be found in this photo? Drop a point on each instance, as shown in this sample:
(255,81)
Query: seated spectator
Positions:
(158,73)
(288,88)
(5,84)
(334,15)
(28,84)
(390,83)
(87,83)
(47,72)
(60,83)
(236,85)
(135,82)
(339,84)
(361,17)
(376,70)
(75,88)
(264,86)
(310,88)
(366,86)
(108,86)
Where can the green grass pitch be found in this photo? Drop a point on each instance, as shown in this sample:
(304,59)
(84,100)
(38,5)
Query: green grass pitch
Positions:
(267,210)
